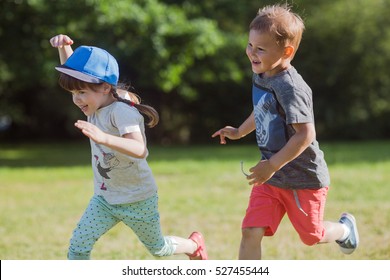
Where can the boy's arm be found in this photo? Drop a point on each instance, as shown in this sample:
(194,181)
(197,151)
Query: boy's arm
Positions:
(247,126)
(265,169)
(236,133)
(304,135)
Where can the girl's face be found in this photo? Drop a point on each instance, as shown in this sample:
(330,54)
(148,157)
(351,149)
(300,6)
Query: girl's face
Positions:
(90,100)
(265,55)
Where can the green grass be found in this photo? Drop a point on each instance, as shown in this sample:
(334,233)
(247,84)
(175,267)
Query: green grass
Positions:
(45,188)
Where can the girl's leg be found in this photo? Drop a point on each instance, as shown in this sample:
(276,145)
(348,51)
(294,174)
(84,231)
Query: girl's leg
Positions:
(250,247)
(95,222)
(184,245)
(144,219)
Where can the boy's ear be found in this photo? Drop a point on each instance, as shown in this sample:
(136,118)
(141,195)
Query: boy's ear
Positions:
(288,51)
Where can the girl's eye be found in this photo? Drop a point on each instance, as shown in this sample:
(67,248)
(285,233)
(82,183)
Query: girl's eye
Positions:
(76,92)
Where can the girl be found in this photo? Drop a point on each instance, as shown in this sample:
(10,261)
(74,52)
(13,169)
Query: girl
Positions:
(124,187)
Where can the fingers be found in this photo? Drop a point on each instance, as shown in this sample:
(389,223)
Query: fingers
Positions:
(216,133)
(81,124)
(221,135)
(60,41)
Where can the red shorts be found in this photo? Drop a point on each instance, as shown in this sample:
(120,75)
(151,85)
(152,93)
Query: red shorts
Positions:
(268,204)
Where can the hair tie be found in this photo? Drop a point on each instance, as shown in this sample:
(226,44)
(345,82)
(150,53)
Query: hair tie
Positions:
(132,103)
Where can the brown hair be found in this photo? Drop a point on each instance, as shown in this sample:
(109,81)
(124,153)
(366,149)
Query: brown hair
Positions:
(287,27)
(70,83)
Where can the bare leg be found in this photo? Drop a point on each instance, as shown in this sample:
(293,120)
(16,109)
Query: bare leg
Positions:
(250,247)
(333,232)
(184,245)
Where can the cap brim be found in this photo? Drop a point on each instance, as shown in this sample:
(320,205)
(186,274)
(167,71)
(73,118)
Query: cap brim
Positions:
(78,75)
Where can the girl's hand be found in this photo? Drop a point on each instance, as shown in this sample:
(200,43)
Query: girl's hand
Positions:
(91,131)
(60,41)
(227,131)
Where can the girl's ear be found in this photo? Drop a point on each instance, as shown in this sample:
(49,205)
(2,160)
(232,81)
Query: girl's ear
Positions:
(288,52)
(106,88)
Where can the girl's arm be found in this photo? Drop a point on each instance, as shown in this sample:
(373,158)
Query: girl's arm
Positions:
(132,144)
(63,43)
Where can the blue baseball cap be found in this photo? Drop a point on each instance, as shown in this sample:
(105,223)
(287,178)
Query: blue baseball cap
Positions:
(92,65)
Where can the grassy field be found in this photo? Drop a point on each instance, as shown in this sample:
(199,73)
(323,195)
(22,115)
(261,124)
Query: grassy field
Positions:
(45,188)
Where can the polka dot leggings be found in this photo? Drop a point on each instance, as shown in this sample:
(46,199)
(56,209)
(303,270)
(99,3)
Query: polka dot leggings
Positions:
(99,217)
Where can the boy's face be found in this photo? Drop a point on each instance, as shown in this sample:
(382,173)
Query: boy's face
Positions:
(265,55)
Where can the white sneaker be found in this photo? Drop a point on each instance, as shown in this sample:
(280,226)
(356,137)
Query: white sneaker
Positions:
(352,241)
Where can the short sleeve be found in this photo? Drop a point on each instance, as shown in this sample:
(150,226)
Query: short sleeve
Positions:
(127,119)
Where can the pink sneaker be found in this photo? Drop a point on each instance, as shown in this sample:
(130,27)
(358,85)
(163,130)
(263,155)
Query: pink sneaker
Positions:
(201,252)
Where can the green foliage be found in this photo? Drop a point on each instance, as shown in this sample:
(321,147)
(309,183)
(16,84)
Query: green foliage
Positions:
(187,59)
(345,56)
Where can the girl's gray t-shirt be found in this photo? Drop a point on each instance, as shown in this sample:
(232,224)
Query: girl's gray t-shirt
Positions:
(120,178)
(280,101)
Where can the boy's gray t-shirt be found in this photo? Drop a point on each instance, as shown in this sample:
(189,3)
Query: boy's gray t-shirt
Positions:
(120,178)
(280,101)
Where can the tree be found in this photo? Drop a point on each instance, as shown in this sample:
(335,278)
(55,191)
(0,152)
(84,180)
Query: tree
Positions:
(345,56)
(187,59)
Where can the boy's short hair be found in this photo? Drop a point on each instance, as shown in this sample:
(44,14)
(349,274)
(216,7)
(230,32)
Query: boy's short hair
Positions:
(278,20)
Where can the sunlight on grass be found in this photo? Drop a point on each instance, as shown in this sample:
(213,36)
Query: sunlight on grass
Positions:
(45,189)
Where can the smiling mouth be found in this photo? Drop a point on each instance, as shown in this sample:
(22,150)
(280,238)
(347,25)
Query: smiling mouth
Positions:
(84,108)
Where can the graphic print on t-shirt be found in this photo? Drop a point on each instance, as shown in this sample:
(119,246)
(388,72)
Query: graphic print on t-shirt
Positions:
(107,164)
(270,125)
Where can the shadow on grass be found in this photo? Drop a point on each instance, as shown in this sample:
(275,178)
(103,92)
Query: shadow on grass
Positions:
(78,154)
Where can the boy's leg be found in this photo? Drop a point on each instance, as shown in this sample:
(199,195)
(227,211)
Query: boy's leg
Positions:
(333,232)
(312,229)
(262,218)
(344,232)
(250,246)
(95,222)
(305,209)
(350,239)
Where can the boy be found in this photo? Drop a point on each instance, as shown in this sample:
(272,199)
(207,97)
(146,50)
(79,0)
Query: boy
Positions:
(292,176)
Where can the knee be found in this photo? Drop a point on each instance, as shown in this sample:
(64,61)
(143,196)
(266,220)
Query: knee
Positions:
(252,234)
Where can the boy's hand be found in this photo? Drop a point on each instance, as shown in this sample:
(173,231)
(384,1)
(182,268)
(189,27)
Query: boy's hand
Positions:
(261,172)
(60,41)
(227,131)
